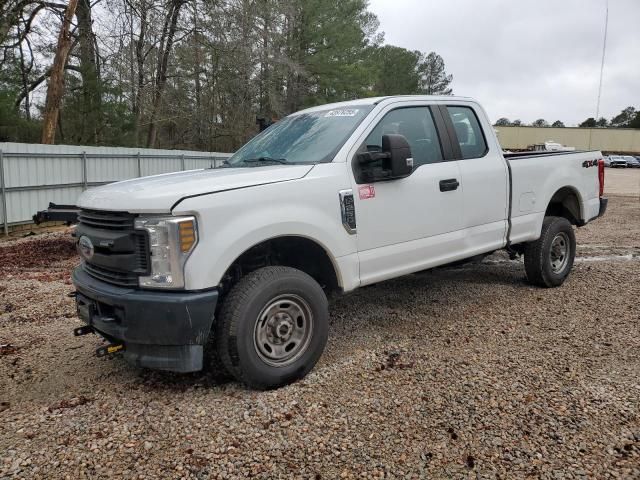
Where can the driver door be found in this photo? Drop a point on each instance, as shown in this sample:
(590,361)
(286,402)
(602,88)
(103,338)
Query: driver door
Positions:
(409,224)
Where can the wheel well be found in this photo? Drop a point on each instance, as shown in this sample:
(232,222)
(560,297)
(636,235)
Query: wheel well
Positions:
(291,251)
(565,203)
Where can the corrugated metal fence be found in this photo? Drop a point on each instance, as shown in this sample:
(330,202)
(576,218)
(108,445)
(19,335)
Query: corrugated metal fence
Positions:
(33,175)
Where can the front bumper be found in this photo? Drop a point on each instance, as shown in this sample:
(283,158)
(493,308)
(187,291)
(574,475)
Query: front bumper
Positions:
(159,330)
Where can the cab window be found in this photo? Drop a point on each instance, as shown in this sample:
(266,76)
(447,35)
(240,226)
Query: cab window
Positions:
(417,126)
(468,131)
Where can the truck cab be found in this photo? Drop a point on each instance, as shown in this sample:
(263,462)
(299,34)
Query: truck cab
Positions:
(231,267)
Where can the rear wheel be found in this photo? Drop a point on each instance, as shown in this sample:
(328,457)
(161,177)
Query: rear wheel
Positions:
(548,260)
(273,327)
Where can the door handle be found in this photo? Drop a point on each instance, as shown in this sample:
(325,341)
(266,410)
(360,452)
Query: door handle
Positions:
(449,184)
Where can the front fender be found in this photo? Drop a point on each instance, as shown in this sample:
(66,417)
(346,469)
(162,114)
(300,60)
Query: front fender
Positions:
(229,223)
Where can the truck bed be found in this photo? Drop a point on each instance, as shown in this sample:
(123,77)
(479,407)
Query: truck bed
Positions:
(519,155)
(535,177)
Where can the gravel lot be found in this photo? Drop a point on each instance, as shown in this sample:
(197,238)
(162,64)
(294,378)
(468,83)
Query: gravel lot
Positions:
(622,181)
(456,373)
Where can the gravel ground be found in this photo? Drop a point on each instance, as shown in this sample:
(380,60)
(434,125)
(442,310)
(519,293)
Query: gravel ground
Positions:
(622,181)
(462,372)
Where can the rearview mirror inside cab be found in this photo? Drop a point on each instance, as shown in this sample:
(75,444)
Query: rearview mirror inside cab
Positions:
(394,161)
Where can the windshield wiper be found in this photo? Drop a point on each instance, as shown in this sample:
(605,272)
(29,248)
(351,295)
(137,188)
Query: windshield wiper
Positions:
(282,161)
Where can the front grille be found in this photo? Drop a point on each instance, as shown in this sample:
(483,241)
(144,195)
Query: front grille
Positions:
(111,276)
(121,252)
(106,220)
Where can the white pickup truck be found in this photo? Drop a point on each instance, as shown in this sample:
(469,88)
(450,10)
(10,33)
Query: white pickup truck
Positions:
(232,266)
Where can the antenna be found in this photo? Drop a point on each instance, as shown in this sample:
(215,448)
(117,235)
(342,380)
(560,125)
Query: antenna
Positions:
(604,50)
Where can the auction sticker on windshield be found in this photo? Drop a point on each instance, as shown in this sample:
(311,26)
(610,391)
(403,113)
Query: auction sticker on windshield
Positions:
(342,113)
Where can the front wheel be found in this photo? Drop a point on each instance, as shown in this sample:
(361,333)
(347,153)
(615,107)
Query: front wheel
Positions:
(273,327)
(548,260)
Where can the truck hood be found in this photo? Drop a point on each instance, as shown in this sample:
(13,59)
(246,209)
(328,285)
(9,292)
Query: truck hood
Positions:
(159,193)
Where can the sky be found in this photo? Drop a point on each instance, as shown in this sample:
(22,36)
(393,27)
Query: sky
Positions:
(526,59)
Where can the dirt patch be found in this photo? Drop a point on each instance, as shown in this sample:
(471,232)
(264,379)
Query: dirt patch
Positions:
(40,252)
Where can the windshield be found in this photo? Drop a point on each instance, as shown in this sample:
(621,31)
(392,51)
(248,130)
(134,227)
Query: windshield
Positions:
(307,138)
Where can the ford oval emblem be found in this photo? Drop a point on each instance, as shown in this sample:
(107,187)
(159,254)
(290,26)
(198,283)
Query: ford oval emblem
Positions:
(86,247)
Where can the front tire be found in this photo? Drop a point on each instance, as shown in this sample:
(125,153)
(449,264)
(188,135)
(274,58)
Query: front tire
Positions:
(548,260)
(273,327)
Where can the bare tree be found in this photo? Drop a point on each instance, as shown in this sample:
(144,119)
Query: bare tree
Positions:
(141,53)
(56,79)
(91,85)
(164,50)
(25,70)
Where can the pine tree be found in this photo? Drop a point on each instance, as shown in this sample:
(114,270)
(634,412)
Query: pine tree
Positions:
(434,78)
(396,71)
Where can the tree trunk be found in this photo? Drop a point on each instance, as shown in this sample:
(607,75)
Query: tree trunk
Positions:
(295,53)
(263,87)
(140,59)
(196,72)
(24,74)
(56,80)
(91,91)
(166,44)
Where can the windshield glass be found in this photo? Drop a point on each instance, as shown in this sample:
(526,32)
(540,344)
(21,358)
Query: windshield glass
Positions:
(303,138)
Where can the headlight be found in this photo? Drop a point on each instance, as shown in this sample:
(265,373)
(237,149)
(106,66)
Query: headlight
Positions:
(171,241)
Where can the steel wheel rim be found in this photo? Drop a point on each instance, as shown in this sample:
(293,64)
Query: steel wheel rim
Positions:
(283,330)
(559,252)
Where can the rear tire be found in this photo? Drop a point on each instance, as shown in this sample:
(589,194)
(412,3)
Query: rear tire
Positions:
(273,327)
(548,260)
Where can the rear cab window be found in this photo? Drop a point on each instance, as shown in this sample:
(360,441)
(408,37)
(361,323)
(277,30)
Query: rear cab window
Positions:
(468,131)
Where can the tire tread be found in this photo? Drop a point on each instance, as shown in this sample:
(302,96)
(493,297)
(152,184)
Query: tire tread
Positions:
(230,317)
(535,252)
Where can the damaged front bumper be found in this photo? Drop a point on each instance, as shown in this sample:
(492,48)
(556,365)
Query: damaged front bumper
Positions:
(159,330)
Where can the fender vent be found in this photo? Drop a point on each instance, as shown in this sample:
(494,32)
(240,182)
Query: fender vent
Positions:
(348,211)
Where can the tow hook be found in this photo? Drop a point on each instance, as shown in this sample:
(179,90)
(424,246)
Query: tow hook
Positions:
(109,349)
(84,330)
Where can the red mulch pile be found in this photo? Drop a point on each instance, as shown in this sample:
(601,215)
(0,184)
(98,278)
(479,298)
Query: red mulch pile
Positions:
(38,253)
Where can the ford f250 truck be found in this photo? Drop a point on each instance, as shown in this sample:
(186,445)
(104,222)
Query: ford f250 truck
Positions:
(232,266)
